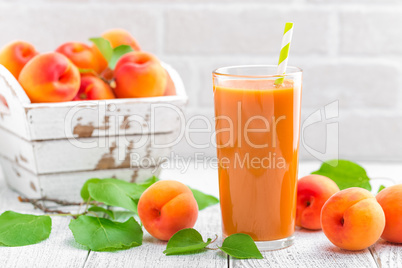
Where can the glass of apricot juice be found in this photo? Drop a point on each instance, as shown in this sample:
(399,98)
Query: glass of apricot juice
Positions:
(257,124)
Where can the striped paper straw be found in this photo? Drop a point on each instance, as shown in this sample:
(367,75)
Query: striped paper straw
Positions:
(284,55)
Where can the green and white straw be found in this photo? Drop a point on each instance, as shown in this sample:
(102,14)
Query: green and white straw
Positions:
(284,55)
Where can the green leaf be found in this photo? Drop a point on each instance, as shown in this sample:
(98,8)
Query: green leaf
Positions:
(104,47)
(122,215)
(149,182)
(186,241)
(101,234)
(118,52)
(103,210)
(204,200)
(141,187)
(241,246)
(114,192)
(84,190)
(23,229)
(382,187)
(345,174)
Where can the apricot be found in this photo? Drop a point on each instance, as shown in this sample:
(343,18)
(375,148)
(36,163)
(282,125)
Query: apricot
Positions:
(50,77)
(312,192)
(390,200)
(15,55)
(170,89)
(166,207)
(352,219)
(82,55)
(93,88)
(139,74)
(118,37)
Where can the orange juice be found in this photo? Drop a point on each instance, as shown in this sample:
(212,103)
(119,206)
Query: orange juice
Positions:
(257,135)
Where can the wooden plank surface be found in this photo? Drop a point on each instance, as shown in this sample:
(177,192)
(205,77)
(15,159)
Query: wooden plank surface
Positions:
(311,249)
(150,254)
(387,254)
(60,250)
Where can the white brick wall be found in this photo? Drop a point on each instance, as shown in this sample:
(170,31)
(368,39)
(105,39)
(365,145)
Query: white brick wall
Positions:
(350,50)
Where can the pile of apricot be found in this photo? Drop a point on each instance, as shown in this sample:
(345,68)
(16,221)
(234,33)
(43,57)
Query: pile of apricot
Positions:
(78,71)
(353,218)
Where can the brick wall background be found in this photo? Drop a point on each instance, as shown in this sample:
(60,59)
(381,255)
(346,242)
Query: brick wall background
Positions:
(350,50)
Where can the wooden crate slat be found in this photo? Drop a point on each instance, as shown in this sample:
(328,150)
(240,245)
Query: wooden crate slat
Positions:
(13,99)
(66,185)
(109,153)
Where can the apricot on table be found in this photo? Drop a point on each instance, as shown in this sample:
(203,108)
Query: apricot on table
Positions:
(82,55)
(352,219)
(94,88)
(166,207)
(390,200)
(50,77)
(15,55)
(139,74)
(312,192)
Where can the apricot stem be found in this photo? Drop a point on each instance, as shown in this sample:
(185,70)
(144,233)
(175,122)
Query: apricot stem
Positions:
(38,205)
(64,214)
(57,201)
(53,200)
(56,212)
(216,237)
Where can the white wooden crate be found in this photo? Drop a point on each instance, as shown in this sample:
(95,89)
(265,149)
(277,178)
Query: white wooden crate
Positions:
(50,149)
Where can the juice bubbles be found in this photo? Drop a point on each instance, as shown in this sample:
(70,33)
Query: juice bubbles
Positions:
(257,134)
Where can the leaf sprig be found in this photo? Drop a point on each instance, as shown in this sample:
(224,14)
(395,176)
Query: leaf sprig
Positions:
(189,241)
(99,227)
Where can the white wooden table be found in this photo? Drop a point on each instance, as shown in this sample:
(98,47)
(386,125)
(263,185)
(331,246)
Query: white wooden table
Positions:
(311,249)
